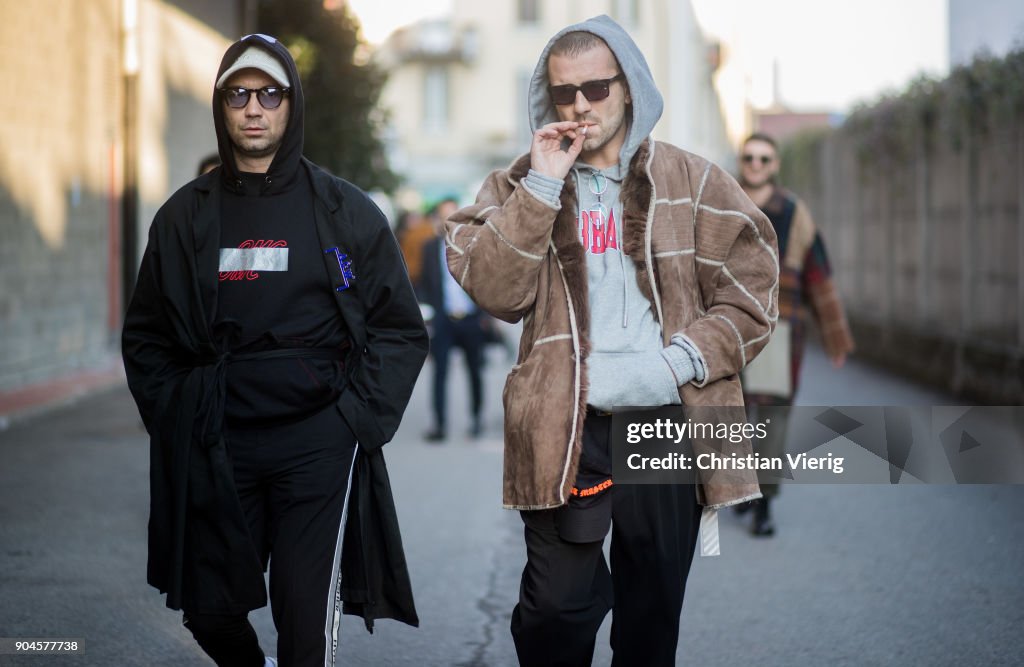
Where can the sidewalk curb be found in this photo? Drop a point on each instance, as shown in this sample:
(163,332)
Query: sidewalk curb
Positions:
(36,399)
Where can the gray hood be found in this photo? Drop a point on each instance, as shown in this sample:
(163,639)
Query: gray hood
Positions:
(647,103)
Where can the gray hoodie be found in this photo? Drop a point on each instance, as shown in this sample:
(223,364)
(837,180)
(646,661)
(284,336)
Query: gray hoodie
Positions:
(628,365)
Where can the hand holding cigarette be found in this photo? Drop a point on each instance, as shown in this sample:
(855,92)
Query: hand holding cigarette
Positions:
(546,154)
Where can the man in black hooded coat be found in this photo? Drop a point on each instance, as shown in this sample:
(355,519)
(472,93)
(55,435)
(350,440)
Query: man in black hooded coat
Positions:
(272,343)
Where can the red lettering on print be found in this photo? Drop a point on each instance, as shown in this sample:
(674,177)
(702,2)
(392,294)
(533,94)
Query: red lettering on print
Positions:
(251,243)
(598,235)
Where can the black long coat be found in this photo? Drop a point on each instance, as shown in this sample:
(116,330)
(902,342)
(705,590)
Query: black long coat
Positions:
(199,550)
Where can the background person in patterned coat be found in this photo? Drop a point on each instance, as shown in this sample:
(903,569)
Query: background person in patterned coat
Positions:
(805,287)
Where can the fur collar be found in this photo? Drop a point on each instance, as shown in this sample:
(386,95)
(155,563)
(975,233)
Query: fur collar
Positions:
(636,197)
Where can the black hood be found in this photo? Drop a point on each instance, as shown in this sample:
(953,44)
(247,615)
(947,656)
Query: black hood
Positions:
(285,166)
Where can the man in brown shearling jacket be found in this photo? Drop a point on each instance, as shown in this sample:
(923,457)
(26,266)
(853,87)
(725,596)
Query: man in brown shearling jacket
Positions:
(644,277)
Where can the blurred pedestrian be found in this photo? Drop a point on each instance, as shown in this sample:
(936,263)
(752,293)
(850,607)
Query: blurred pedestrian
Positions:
(805,285)
(562,240)
(457,323)
(271,345)
(414,229)
(208,163)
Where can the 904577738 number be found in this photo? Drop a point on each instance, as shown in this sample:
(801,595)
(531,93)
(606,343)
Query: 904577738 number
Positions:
(9,645)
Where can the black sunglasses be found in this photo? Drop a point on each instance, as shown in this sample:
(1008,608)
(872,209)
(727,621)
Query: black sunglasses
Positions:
(594,91)
(269,97)
(765,159)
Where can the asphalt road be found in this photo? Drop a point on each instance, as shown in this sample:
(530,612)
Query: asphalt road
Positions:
(856,575)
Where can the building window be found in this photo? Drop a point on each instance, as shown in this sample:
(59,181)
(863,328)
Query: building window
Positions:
(528,11)
(435,99)
(626,12)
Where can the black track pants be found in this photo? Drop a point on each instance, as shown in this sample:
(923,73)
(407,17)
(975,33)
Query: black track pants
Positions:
(567,588)
(293,483)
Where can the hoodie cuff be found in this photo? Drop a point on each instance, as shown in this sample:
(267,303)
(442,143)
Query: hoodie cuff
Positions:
(693,361)
(680,363)
(545,188)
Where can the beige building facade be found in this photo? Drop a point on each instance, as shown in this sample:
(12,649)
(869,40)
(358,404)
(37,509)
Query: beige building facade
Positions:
(457,89)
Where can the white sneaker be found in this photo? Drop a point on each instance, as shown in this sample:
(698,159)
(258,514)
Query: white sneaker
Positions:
(271,662)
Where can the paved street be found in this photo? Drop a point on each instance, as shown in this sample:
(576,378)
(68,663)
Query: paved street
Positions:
(857,574)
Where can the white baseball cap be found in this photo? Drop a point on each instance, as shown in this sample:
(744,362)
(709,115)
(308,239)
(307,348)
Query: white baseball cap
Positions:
(256,58)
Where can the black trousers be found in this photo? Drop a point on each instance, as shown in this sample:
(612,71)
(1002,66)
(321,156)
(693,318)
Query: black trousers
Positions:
(292,481)
(468,335)
(773,445)
(567,587)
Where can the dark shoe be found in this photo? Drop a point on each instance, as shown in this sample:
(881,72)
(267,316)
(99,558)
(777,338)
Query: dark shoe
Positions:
(762,525)
(437,435)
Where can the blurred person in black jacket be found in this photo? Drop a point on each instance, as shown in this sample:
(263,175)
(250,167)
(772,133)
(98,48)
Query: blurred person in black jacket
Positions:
(457,322)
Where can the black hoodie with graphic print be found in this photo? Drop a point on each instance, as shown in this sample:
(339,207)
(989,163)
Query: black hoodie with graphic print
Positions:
(176,362)
(272,294)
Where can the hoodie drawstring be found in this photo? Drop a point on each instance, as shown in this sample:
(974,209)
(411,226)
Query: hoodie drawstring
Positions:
(598,192)
(622,265)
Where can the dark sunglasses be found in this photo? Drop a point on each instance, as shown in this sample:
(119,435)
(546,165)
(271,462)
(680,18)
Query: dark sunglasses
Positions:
(594,91)
(765,159)
(269,97)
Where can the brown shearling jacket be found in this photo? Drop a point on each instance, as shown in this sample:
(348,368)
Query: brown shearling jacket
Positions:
(715,276)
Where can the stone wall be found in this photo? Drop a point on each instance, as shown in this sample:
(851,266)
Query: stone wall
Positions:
(62,163)
(922,207)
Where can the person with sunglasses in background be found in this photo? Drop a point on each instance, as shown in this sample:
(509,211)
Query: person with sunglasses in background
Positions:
(271,345)
(643,277)
(805,284)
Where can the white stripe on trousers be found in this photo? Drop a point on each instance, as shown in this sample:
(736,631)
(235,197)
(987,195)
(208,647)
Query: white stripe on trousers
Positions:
(334,592)
(709,545)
